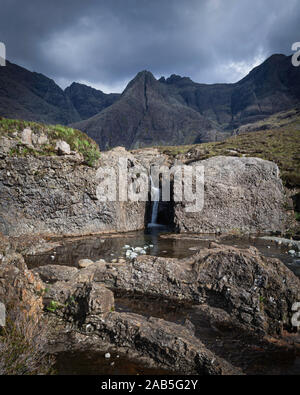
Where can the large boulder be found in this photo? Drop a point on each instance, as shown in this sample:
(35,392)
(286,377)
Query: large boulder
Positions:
(255,291)
(63,148)
(240,195)
(171,346)
(58,195)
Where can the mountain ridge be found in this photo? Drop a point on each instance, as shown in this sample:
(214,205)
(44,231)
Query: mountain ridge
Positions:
(150,111)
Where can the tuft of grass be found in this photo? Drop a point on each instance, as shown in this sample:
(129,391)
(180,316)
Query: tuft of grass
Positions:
(77,140)
(54,306)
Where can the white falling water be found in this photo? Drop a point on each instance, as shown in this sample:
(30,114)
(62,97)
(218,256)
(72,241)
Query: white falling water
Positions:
(155,199)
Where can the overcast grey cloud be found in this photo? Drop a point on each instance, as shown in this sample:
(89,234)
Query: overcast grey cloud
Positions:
(105,43)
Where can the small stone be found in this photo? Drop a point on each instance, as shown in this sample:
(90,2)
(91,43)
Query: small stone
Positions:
(62,148)
(83,263)
(137,249)
(26,137)
(2,315)
(42,139)
(101,261)
(107,355)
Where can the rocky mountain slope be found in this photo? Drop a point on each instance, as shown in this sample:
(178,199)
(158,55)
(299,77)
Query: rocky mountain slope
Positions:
(179,111)
(88,101)
(34,97)
(146,114)
(172,111)
(269,88)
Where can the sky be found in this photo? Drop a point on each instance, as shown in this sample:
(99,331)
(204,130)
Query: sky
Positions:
(105,43)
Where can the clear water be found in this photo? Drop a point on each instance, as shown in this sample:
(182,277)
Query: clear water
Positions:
(111,247)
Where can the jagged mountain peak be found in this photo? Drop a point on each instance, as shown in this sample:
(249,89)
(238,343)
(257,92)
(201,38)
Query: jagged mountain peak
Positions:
(143,77)
(174,78)
(80,86)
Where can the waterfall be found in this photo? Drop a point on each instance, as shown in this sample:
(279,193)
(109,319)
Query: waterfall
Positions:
(155,199)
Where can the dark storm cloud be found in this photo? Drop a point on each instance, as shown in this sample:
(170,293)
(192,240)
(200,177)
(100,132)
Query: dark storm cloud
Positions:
(105,43)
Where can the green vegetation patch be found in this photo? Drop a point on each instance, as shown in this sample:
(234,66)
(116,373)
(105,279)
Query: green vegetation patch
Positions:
(77,140)
(280,145)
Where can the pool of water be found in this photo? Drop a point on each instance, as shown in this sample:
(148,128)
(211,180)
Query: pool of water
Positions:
(95,363)
(253,356)
(111,247)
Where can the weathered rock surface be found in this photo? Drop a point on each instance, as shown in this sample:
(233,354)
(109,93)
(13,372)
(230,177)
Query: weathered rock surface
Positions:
(20,285)
(57,195)
(170,345)
(83,263)
(257,292)
(63,148)
(240,195)
(87,307)
(26,137)
(92,324)
(230,289)
(53,273)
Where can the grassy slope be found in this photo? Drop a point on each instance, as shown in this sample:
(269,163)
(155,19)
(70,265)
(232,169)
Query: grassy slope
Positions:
(279,142)
(77,140)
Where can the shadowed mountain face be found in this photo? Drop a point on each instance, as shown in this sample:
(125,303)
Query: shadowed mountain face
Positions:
(269,88)
(147,114)
(170,111)
(177,111)
(34,97)
(89,101)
